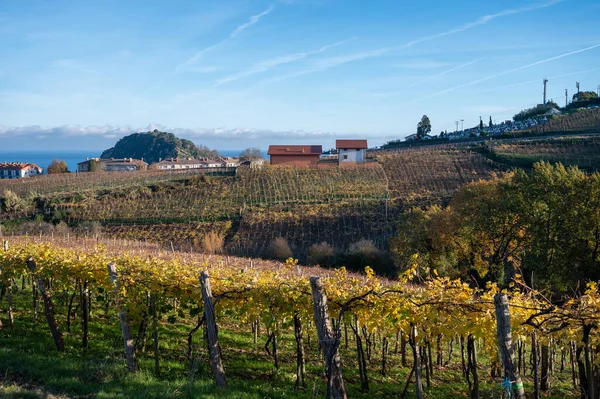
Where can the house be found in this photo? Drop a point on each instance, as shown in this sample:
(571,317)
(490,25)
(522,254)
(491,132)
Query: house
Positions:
(295,155)
(17,170)
(227,162)
(177,164)
(351,151)
(411,137)
(112,165)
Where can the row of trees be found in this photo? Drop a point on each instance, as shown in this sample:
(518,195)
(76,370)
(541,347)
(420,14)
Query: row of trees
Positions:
(544,225)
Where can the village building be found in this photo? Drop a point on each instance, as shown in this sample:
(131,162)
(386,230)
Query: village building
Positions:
(411,137)
(112,165)
(295,155)
(228,162)
(351,151)
(17,170)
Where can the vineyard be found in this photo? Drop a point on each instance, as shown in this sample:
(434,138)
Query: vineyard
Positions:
(585,120)
(339,206)
(387,337)
(576,150)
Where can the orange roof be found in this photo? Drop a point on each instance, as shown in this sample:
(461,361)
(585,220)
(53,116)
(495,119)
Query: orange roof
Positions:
(17,166)
(295,150)
(354,144)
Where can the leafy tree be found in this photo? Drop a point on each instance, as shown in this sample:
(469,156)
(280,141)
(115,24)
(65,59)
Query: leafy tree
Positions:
(57,166)
(491,124)
(480,124)
(205,152)
(423,127)
(584,96)
(251,154)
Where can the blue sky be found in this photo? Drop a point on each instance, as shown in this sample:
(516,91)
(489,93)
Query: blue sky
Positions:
(232,74)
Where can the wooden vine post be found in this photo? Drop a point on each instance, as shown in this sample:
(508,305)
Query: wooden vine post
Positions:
(48,307)
(125,330)
(212,332)
(11,317)
(329,341)
(505,347)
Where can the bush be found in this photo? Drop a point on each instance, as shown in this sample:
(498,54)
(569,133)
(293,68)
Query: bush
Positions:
(364,253)
(213,243)
(321,254)
(33,228)
(62,229)
(90,229)
(280,249)
(15,204)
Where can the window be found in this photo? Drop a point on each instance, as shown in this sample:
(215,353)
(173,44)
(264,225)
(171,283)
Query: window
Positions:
(345,156)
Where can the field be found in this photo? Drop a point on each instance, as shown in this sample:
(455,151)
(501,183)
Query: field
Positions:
(258,302)
(581,151)
(251,208)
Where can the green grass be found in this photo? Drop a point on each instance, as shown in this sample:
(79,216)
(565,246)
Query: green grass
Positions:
(30,366)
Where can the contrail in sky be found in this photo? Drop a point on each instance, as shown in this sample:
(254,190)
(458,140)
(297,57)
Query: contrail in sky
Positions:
(474,82)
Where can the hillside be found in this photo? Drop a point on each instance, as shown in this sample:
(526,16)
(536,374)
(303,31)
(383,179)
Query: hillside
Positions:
(580,121)
(152,147)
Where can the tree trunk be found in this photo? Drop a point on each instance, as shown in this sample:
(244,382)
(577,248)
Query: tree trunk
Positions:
(462,356)
(300,364)
(155,334)
(403,349)
(360,355)
(125,330)
(384,349)
(545,367)
(48,308)
(9,289)
(472,365)
(587,329)
(84,314)
(212,332)
(573,360)
(505,347)
(329,341)
(416,362)
(535,363)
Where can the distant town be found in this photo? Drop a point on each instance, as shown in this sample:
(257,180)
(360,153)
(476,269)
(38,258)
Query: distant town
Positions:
(351,152)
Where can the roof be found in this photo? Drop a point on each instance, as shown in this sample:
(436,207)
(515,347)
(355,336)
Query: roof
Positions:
(295,150)
(176,161)
(354,144)
(17,165)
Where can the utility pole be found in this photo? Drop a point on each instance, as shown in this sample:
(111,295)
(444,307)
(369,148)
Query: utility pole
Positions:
(577,85)
(462,126)
(598,90)
(545,82)
(456,126)
(566,97)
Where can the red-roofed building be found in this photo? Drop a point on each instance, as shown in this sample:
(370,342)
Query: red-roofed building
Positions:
(354,151)
(295,155)
(17,170)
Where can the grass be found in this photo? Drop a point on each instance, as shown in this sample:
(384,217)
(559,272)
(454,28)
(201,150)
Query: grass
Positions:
(30,366)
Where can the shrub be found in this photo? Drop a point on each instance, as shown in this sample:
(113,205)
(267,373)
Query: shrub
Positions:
(15,204)
(213,243)
(90,229)
(280,249)
(33,228)
(62,229)
(364,253)
(321,254)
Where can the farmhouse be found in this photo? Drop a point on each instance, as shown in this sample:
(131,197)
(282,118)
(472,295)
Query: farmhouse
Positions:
(111,165)
(295,155)
(16,170)
(351,151)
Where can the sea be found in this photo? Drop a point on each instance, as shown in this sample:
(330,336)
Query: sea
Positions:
(44,158)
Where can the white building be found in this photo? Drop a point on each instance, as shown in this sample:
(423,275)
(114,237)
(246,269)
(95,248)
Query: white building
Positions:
(12,170)
(203,163)
(351,151)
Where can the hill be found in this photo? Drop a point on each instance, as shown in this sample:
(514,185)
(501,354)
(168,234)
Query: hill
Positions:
(152,147)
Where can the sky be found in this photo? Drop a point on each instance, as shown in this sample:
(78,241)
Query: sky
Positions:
(232,74)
